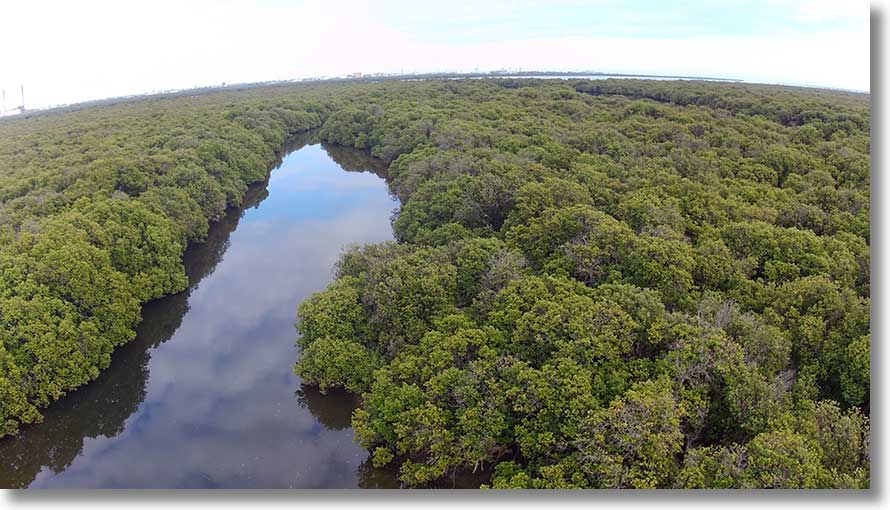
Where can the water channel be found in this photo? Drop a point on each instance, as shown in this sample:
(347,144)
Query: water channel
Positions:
(205,397)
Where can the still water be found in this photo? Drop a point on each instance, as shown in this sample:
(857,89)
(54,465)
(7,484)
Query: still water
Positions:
(205,397)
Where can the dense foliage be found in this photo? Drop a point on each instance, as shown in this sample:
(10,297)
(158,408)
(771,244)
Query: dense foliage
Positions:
(605,283)
(96,209)
(609,283)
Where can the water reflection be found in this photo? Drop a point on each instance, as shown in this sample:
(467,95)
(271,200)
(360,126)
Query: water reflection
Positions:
(205,396)
(332,409)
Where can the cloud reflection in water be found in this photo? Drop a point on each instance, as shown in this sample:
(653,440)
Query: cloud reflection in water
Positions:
(220,406)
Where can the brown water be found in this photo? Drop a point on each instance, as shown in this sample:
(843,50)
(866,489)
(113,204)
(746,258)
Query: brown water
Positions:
(205,396)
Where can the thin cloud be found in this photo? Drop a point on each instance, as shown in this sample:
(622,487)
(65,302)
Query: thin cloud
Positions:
(74,51)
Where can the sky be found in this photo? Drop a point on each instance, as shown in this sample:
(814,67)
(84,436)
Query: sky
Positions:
(67,52)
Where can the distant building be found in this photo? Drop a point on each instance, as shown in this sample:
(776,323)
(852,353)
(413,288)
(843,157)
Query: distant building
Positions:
(356,76)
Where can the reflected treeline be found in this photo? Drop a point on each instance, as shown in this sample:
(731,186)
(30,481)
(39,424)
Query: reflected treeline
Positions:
(356,160)
(370,477)
(332,409)
(298,141)
(101,407)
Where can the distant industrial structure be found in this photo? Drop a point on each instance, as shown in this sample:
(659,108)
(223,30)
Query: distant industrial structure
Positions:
(20,108)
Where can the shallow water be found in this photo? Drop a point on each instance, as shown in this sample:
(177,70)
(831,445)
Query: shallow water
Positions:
(205,396)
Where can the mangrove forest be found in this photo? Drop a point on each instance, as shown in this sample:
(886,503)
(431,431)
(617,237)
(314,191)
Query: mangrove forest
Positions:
(606,283)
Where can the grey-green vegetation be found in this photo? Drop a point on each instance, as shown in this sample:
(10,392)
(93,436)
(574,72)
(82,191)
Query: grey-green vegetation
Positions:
(603,283)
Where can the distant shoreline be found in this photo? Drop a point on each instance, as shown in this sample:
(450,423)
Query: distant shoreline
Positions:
(380,77)
(519,74)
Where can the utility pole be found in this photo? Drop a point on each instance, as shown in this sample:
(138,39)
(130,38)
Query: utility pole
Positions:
(23,99)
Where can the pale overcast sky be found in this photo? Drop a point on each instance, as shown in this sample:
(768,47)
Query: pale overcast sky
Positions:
(65,52)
